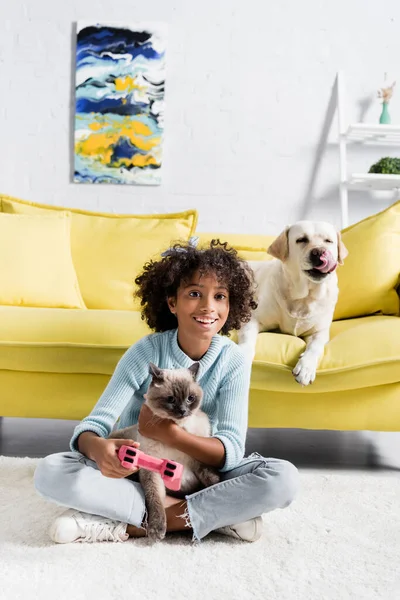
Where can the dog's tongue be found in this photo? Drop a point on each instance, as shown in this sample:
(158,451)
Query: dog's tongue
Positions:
(328,263)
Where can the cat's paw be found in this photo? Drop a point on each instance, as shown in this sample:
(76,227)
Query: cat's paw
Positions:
(157,528)
(208,476)
(213,477)
(156,534)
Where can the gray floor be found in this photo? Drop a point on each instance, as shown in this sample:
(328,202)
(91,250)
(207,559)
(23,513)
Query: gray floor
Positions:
(305,448)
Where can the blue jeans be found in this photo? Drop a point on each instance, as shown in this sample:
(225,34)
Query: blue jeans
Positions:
(256,486)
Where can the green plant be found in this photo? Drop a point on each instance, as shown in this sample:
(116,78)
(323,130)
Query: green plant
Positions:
(388,165)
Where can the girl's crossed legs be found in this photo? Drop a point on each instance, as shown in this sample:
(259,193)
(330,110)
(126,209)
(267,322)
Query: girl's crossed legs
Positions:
(256,486)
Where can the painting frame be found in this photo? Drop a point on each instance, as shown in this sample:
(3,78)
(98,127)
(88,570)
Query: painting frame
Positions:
(119,102)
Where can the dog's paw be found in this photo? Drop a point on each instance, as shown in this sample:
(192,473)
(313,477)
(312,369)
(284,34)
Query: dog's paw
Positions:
(305,370)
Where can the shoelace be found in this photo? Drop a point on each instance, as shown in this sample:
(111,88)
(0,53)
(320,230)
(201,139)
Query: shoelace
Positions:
(104,531)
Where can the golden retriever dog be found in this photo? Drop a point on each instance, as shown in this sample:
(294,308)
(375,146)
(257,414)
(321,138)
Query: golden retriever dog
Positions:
(297,291)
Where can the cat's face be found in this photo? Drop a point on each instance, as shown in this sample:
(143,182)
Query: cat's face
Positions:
(174,393)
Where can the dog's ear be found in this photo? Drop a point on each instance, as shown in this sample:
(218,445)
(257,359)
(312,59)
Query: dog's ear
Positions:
(342,250)
(280,247)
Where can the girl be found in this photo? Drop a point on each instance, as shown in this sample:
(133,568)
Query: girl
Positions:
(188,297)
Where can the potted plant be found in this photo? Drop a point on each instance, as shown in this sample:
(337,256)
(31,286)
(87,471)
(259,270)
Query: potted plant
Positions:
(387,165)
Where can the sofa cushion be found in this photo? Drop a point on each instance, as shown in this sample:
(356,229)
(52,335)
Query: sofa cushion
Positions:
(370,274)
(361,352)
(92,341)
(36,267)
(109,250)
(249,247)
(66,341)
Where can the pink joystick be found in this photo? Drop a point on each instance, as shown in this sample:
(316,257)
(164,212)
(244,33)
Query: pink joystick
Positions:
(170,471)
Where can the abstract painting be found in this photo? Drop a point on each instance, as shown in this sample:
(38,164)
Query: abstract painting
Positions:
(119,112)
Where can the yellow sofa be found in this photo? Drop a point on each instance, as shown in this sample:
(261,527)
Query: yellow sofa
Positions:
(58,353)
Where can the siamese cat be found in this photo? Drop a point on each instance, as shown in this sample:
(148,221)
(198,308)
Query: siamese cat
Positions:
(173,394)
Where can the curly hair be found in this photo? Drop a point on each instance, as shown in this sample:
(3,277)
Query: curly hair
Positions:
(161,279)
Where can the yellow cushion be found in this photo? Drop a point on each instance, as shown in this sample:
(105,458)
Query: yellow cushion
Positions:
(66,341)
(361,352)
(249,247)
(36,267)
(370,273)
(110,250)
(92,341)
(371,408)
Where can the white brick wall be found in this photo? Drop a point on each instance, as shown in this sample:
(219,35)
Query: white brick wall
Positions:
(248,84)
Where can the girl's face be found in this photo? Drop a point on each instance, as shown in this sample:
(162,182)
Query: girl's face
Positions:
(201,306)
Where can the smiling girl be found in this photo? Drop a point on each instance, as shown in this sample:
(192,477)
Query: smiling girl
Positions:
(189,298)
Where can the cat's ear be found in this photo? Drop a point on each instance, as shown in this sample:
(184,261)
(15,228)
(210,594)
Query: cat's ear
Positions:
(155,372)
(194,369)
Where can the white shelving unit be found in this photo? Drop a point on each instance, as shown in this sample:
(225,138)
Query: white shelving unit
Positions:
(361,133)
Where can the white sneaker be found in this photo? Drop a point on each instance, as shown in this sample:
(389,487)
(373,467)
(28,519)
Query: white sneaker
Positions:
(248,531)
(76,526)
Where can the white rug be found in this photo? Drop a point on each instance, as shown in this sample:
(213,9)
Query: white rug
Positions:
(339,540)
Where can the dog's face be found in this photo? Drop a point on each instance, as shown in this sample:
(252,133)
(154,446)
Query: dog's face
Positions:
(312,247)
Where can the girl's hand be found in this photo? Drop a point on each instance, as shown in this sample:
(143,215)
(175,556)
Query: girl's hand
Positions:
(104,452)
(162,430)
